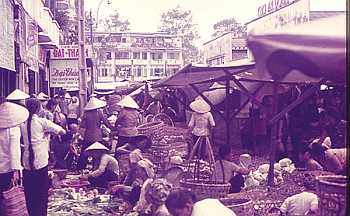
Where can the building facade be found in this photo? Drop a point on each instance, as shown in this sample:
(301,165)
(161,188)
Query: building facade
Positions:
(225,49)
(136,56)
(30,31)
(271,15)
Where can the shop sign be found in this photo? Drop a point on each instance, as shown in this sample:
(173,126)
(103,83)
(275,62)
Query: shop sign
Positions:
(69,52)
(273,5)
(64,73)
(7,48)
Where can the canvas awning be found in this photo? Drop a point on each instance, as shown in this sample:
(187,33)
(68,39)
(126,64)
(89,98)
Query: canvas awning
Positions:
(309,52)
(194,75)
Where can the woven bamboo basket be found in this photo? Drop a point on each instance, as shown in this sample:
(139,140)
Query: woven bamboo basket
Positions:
(206,189)
(242,207)
(152,130)
(262,207)
(331,190)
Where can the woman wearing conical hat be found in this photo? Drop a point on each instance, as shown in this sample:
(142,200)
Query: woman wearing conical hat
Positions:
(201,122)
(11,116)
(91,121)
(106,166)
(128,119)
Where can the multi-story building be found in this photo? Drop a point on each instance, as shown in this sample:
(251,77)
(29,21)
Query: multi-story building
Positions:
(225,49)
(229,50)
(136,56)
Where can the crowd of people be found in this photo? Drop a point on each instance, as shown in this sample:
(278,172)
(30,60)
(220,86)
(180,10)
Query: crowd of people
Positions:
(39,133)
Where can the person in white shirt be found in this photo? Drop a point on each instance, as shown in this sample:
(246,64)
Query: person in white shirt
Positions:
(11,115)
(201,123)
(35,158)
(302,203)
(183,203)
(107,167)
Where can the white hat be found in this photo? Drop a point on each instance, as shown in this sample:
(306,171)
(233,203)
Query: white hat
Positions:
(17,95)
(67,96)
(148,166)
(200,106)
(95,103)
(97,146)
(127,101)
(12,114)
(42,96)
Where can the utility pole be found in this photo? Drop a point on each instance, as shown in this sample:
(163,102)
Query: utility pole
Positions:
(92,82)
(81,60)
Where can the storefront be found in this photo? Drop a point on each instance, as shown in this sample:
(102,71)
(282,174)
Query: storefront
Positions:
(8,80)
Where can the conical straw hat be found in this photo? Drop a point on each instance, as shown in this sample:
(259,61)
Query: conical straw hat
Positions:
(97,146)
(95,103)
(200,106)
(12,114)
(127,101)
(42,96)
(67,96)
(17,95)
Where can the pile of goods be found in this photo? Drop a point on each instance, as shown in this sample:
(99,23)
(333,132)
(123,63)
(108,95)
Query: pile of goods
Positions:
(259,177)
(69,201)
(199,169)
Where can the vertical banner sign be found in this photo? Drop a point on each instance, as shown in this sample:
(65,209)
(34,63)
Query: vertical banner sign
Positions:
(7,47)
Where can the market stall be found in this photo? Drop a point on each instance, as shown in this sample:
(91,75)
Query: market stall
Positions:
(314,52)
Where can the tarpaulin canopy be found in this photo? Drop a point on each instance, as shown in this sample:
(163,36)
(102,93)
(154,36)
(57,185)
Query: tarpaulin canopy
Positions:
(306,52)
(193,75)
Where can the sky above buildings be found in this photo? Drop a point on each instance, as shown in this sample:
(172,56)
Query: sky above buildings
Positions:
(144,15)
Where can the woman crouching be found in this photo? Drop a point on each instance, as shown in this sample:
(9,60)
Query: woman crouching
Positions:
(106,166)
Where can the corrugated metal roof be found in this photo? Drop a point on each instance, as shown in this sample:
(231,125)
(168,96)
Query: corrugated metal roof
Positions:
(315,15)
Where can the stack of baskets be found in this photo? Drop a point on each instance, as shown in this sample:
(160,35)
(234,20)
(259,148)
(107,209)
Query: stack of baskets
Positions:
(331,190)
(152,130)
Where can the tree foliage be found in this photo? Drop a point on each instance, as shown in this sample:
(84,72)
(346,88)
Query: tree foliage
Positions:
(179,22)
(115,23)
(229,25)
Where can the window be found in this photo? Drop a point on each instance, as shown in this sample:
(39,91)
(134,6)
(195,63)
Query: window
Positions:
(123,40)
(144,72)
(136,55)
(158,71)
(156,56)
(104,72)
(138,71)
(108,55)
(173,55)
(144,55)
(122,55)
